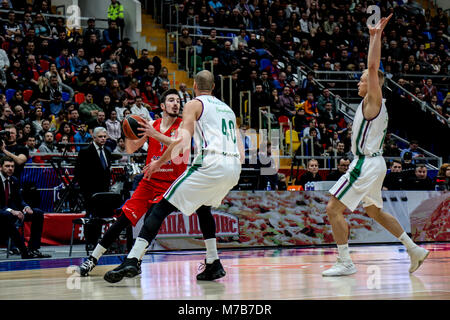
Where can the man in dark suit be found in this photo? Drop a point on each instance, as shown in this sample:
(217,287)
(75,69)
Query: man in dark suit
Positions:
(343,165)
(395,180)
(15,151)
(13,209)
(420,180)
(93,174)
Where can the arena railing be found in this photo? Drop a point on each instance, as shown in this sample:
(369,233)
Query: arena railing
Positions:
(162,10)
(423,104)
(83,22)
(245,106)
(173,36)
(348,111)
(342,106)
(191,68)
(230,91)
(50,15)
(439,81)
(350,91)
(233,30)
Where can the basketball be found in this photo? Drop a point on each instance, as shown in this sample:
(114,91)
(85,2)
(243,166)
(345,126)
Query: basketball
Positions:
(130,126)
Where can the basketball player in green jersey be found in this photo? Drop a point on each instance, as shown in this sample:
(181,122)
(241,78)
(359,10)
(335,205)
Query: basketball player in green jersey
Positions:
(364,177)
(214,172)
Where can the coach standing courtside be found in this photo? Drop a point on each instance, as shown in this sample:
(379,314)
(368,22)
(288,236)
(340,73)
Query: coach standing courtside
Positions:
(93,174)
(14,209)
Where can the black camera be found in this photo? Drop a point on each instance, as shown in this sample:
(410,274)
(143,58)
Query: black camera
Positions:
(4,136)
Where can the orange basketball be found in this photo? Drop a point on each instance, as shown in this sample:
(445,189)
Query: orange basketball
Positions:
(130,126)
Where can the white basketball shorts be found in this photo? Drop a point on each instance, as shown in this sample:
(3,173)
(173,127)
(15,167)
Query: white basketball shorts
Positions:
(362,182)
(205,184)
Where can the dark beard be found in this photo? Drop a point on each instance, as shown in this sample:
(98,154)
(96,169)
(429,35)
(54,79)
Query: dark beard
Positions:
(173,115)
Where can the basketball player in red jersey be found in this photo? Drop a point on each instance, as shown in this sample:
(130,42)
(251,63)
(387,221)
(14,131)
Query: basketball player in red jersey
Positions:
(149,192)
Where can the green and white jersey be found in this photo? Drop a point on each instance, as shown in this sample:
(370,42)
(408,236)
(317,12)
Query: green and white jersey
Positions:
(368,135)
(215,130)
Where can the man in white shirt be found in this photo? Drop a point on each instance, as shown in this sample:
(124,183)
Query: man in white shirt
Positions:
(292,8)
(4,60)
(312,124)
(140,109)
(304,23)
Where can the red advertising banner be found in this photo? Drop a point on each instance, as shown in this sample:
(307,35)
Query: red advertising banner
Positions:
(282,218)
(178,225)
(58,227)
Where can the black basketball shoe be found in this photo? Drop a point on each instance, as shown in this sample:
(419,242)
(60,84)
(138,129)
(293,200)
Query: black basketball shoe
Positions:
(139,266)
(87,266)
(212,271)
(129,268)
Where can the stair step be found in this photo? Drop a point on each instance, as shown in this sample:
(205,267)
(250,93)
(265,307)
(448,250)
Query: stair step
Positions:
(150,30)
(155,35)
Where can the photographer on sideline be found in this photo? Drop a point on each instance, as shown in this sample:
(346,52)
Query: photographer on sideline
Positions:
(10,148)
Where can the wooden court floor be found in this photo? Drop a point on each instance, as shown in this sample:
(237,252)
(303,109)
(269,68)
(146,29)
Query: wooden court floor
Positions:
(251,275)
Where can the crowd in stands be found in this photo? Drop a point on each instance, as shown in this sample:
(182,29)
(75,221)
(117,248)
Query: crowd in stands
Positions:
(58,84)
(403,175)
(69,81)
(275,37)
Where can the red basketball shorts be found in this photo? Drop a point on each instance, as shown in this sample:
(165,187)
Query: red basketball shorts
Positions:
(146,194)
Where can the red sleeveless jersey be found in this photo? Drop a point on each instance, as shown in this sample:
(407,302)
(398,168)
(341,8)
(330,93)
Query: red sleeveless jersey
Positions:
(169,171)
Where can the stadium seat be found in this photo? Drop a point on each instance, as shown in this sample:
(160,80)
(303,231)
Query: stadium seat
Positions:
(104,205)
(5,46)
(65,96)
(45,65)
(295,140)
(27,95)
(261,52)
(428,35)
(10,93)
(283,119)
(20,227)
(79,98)
(264,63)
(199,64)
(284,123)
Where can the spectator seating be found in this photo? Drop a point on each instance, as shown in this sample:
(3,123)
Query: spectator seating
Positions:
(291,138)
(79,98)
(27,95)
(10,93)
(65,96)
(284,123)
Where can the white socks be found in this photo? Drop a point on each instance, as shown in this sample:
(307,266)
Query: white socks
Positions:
(406,240)
(138,249)
(141,245)
(344,253)
(211,250)
(98,252)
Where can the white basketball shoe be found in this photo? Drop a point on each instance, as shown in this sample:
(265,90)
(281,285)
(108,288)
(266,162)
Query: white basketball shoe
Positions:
(417,256)
(340,268)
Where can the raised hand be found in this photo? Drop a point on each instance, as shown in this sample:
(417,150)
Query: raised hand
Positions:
(379,27)
(147,129)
